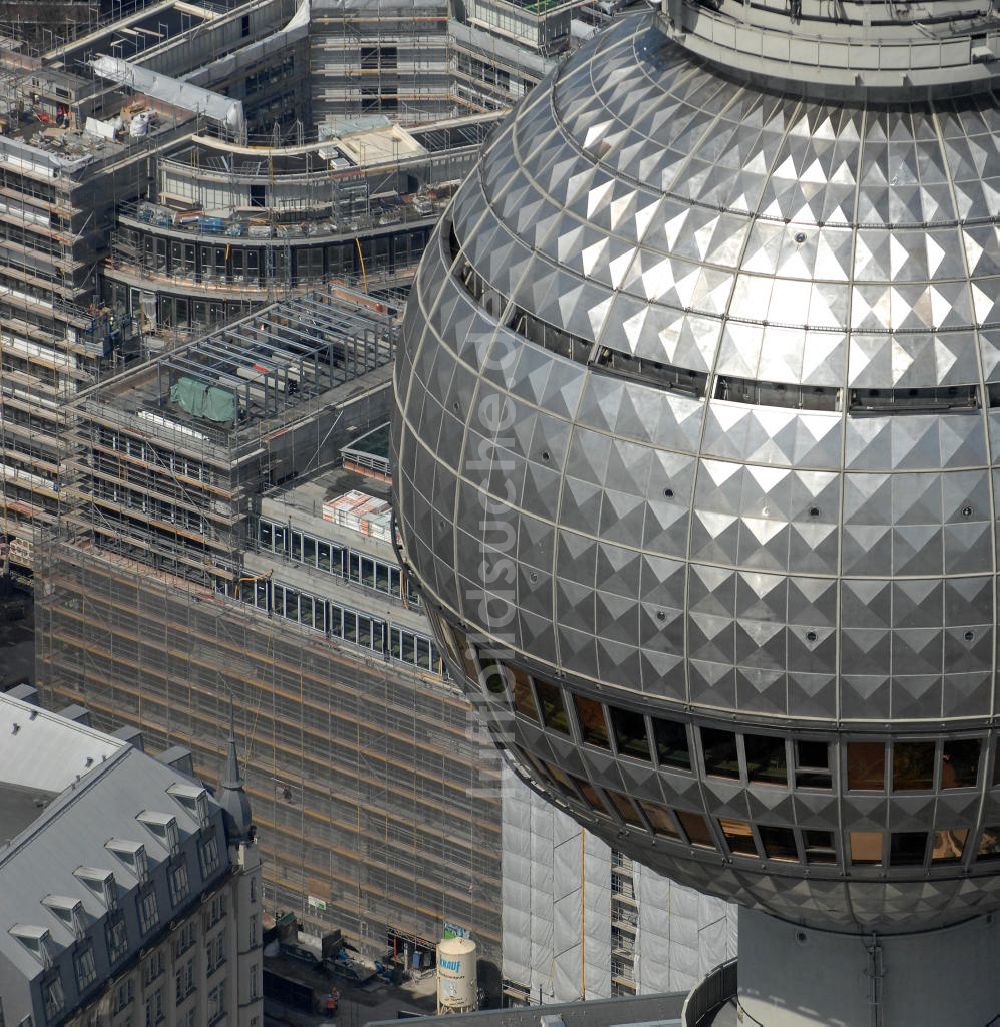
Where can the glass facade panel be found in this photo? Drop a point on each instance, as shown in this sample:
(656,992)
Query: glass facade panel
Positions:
(866,847)
(989,843)
(779,843)
(659,819)
(671,743)
(960,763)
(524,698)
(866,766)
(907,848)
(812,764)
(949,846)
(553,710)
(590,717)
(697,830)
(819,847)
(624,806)
(630,733)
(590,796)
(765,758)
(721,756)
(739,837)
(492,676)
(913,766)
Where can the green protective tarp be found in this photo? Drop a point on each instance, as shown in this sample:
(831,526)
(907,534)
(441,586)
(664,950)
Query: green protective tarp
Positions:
(201,400)
(220,405)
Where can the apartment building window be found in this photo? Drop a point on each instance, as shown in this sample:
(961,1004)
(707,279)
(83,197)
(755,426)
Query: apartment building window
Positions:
(216,911)
(149,914)
(177,878)
(253,889)
(53,998)
(83,963)
(413,648)
(116,936)
(215,951)
(254,986)
(216,1003)
(154,1008)
(152,968)
(184,939)
(124,995)
(253,932)
(208,856)
(184,981)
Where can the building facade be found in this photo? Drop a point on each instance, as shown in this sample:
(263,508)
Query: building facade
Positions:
(129,893)
(195,563)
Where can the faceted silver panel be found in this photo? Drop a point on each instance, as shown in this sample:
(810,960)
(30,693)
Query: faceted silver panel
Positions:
(797,531)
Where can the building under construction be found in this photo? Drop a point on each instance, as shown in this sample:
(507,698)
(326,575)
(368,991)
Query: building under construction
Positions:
(223,535)
(171,168)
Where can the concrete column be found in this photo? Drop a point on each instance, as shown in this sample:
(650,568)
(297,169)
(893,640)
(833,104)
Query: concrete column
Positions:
(792,976)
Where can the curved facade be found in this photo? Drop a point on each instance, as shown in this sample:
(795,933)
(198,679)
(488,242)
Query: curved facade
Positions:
(695,467)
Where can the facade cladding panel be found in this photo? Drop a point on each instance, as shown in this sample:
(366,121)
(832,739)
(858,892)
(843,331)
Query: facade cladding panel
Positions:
(696,420)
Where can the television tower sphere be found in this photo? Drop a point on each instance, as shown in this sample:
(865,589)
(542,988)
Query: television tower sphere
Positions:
(697,447)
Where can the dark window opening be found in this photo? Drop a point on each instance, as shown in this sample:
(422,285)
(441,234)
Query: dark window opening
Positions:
(492,676)
(777,394)
(739,837)
(960,763)
(697,830)
(671,744)
(659,819)
(651,372)
(866,766)
(553,709)
(630,733)
(721,756)
(766,761)
(907,848)
(819,847)
(258,196)
(913,766)
(524,698)
(812,764)
(779,843)
(590,796)
(590,716)
(624,806)
(915,401)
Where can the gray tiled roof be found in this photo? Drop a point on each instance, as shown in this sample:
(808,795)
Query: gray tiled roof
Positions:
(94,805)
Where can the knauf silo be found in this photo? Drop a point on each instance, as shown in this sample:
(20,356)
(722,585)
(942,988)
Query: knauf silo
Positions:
(456,975)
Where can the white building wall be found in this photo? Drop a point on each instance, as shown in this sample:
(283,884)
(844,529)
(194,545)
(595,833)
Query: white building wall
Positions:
(674,951)
(557,911)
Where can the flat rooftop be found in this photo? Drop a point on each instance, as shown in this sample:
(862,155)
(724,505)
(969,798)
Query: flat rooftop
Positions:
(642,1011)
(308,495)
(272,366)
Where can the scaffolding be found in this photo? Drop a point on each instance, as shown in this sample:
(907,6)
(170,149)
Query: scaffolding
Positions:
(157,479)
(367,789)
(377,809)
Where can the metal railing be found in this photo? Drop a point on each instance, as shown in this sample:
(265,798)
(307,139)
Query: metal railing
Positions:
(718,986)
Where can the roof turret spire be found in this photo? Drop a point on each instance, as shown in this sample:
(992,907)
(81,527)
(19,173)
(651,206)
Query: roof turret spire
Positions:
(233,800)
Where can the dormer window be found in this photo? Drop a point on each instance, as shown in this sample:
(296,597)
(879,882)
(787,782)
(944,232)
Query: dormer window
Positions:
(101,883)
(133,855)
(194,801)
(164,828)
(69,912)
(36,940)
